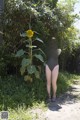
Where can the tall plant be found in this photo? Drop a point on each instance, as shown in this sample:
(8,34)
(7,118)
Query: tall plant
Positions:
(28,68)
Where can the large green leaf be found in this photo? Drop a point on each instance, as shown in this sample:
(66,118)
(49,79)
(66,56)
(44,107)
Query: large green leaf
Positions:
(38,56)
(28,78)
(20,53)
(37,75)
(31,69)
(38,39)
(25,62)
(22,70)
(42,51)
(23,34)
(33,46)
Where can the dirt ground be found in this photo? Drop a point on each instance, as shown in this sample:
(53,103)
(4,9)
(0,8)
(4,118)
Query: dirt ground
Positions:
(67,106)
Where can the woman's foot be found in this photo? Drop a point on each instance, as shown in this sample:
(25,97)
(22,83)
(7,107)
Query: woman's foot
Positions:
(48,100)
(53,99)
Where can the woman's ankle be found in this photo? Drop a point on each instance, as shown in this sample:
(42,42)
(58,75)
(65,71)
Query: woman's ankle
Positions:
(54,96)
(49,96)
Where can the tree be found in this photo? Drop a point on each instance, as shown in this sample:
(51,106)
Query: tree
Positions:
(46,17)
(66,32)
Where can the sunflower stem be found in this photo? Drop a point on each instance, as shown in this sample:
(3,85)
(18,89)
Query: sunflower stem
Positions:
(30,50)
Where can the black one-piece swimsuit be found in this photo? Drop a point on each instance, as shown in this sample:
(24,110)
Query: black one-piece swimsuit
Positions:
(52,55)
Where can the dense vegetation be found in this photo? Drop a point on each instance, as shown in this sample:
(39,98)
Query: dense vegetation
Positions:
(47,18)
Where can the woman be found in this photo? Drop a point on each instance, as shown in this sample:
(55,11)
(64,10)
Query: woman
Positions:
(52,68)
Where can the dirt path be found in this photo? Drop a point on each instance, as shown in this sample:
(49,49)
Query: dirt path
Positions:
(67,106)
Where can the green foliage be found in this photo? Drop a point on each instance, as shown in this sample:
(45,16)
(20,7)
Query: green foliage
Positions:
(8,63)
(20,53)
(66,32)
(64,81)
(2,68)
(27,66)
(39,57)
(20,114)
(15,92)
(25,62)
(47,17)
(17,17)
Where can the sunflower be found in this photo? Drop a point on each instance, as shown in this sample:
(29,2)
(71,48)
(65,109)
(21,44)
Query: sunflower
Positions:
(29,33)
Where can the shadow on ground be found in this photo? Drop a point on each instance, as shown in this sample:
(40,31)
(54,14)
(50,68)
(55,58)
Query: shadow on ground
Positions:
(70,97)
(54,106)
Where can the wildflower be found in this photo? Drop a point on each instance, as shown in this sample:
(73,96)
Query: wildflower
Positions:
(29,33)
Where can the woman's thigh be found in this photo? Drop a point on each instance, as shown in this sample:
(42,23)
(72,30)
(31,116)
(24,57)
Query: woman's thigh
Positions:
(55,73)
(48,73)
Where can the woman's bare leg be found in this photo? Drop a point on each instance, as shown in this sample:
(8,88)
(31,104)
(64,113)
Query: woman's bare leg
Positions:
(48,78)
(55,72)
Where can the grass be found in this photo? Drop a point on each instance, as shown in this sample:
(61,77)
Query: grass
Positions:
(19,97)
(65,80)
(19,114)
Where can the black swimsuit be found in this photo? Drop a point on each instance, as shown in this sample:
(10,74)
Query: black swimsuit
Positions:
(52,55)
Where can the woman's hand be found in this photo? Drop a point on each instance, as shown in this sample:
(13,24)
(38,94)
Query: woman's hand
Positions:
(59,51)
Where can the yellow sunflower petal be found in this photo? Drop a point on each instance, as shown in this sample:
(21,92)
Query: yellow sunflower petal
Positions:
(29,33)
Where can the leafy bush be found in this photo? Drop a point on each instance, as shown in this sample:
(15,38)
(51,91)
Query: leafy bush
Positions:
(3,70)
(14,92)
(65,79)
(8,63)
